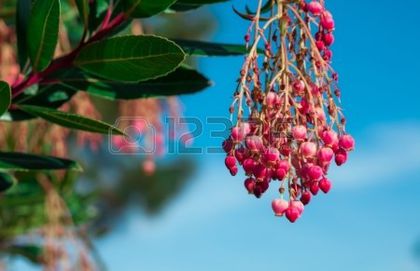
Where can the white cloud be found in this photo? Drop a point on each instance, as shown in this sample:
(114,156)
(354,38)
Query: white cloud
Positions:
(383,153)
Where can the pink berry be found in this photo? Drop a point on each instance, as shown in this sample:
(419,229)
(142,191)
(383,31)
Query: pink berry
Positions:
(248,166)
(340,157)
(328,39)
(260,171)
(315,173)
(254,143)
(299,86)
(240,154)
(230,162)
(327,21)
(299,132)
(320,45)
(308,149)
(283,164)
(314,188)
(325,185)
(271,156)
(327,55)
(325,155)
(305,198)
(271,99)
(239,132)
(237,135)
(233,171)
(329,137)
(246,128)
(346,142)
(280,173)
(227,145)
(298,205)
(250,185)
(315,8)
(279,206)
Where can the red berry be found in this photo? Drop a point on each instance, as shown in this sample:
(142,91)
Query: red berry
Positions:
(314,188)
(292,214)
(230,162)
(325,185)
(250,185)
(248,166)
(271,156)
(260,171)
(306,197)
(340,157)
(328,39)
(320,45)
(227,145)
(233,171)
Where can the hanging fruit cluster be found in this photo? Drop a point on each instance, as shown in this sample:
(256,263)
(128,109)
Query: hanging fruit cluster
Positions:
(289,126)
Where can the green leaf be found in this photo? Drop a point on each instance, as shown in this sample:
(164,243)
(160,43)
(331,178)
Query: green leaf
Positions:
(31,252)
(6,181)
(145,8)
(23,162)
(183,80)
(22,16)
(83,7)
(97,12)
(201,48)
(50,95)
(131,58)
(5,97)
(185,5)
(72,121)
(43,36)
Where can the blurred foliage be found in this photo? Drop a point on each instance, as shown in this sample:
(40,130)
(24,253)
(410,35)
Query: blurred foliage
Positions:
(93,204)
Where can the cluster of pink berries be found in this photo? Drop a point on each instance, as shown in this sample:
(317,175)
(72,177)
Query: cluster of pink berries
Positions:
(294,128)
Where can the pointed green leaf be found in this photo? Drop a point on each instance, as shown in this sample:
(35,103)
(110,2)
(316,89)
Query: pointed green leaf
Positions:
(6,181)
(145,8)
(83,7)
(5,97)
(131,58)
(43,35)
(72,121)
(201,48)
(23,10)
(22,162)
(183,80)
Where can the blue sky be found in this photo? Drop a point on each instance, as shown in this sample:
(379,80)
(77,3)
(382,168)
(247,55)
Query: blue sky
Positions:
(371,219)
